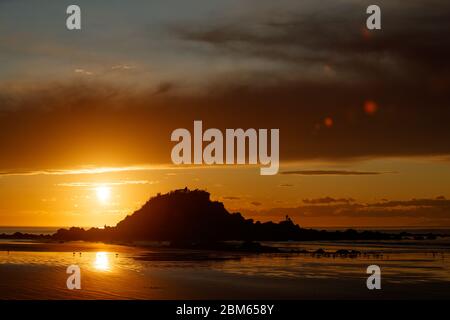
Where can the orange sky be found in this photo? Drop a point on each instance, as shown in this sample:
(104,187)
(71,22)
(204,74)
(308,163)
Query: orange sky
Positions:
(86,116)
(89,198)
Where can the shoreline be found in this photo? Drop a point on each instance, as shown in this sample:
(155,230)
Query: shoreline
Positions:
(343,248)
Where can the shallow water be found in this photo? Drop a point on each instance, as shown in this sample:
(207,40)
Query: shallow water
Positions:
(409,270)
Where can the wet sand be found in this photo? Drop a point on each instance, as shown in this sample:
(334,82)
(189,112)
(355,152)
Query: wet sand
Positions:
(38,271)
(52,246)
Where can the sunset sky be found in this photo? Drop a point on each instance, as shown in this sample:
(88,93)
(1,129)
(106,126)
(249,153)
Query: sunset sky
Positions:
(364,116)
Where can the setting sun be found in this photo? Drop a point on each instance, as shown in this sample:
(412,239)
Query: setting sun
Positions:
(103,193)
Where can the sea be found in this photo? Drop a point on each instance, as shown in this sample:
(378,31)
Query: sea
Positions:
(394,230)
(29,230)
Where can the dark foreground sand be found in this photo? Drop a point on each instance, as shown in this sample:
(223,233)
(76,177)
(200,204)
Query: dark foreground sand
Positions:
(38,271)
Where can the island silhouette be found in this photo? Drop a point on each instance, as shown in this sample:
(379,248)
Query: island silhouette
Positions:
(187,218)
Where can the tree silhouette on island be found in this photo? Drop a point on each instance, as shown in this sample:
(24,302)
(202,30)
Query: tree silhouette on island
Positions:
(189,217)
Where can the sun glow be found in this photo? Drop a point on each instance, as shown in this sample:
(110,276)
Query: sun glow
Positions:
(103,193)
(101,261)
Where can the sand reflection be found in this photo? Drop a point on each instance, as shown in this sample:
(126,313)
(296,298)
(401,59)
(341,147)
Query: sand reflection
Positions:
(102,261)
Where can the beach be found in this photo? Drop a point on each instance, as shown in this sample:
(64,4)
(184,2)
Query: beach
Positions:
(410,270)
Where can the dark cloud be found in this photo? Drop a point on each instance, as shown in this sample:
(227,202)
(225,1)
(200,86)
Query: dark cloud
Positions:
(305,66)
(331,173)
(421,210)
(97,124)
(164,87)
(325,65)
(437,202)
(231,198)
(256,203)
(327,200)
(412,38)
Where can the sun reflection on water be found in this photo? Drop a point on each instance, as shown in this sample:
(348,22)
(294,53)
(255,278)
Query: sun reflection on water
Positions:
(102,261)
